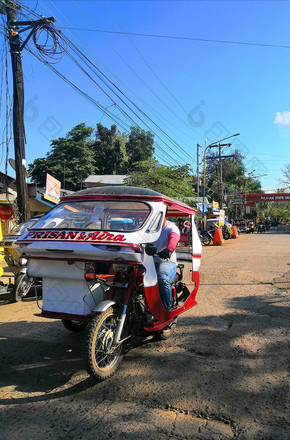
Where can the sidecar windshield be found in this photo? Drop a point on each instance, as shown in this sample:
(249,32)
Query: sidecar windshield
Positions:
(96,214)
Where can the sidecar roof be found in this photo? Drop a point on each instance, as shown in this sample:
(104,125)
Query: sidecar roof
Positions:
(130,193)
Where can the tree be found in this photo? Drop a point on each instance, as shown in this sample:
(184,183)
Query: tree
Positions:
(109,152)
(175,181)
(70,161)
(233,174)
(286,175)
(139,147)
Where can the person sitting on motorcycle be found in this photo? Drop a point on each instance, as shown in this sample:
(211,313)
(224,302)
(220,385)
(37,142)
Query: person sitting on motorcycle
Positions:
(165,261)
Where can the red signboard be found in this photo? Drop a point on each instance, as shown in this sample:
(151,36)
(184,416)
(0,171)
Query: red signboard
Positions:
(274,197)
(6,212)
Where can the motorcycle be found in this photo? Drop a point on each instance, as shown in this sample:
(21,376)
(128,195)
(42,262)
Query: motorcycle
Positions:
(227,231)
(261,228)
(251,227)
(206,236)
(94,252)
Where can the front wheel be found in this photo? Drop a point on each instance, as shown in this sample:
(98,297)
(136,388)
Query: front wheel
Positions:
(102,357)
(22,286)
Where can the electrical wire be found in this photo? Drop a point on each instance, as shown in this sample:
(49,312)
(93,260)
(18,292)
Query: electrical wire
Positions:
(51,51)
(112,87)
(108,68)
(91,100)
(176,37)
(141,79)
(122,97)
(144,60)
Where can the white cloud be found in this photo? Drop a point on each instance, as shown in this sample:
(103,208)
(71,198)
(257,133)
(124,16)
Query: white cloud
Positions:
(283,120)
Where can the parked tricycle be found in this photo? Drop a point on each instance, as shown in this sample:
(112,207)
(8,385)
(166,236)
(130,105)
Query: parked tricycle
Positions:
(94,252)
(16,263)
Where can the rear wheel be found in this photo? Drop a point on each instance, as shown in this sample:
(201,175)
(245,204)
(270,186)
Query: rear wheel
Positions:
(227,235)
(206,240)
(21,287)
(102,357)
(74,326)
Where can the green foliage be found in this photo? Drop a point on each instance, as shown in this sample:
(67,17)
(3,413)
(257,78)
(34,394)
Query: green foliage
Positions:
(233,174)
(70,160)
(73,158)
(109,151)
(139,147)
(175,181)
(276,211)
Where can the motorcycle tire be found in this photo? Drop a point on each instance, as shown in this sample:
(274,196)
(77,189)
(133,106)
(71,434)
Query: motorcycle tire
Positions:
(74,326)
(226,235)
(167,332)
(21,287)
(101,358)
(206,240)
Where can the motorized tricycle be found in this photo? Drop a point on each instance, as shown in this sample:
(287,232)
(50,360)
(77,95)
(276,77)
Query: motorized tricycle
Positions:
(94,252)
(16,263)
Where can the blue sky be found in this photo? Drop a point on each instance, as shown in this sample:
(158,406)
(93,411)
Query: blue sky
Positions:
(193,90)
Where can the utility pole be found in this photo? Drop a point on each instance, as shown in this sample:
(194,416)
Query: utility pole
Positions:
(10,8)
(220,157)
(197,169)
(18,113)
(221,188)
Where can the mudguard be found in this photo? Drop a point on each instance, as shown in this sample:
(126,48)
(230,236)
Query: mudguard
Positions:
(103,306)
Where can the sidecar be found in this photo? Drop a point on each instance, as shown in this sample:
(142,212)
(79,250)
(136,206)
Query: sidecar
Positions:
(78,247)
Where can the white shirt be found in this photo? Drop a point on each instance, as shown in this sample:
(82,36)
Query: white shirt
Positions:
(162,241)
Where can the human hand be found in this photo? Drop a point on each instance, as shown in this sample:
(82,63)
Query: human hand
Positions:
(164,254)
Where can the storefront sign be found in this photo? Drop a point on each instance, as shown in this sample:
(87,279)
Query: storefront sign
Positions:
(236,202)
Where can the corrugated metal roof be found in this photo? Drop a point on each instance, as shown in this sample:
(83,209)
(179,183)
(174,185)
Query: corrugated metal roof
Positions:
(106,179)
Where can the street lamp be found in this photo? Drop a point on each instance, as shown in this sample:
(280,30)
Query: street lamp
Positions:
(213,144)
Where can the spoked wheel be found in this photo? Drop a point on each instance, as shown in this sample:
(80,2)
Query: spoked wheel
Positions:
(167,331)
(102,357)
(206,240)
(22,286)
(74,326)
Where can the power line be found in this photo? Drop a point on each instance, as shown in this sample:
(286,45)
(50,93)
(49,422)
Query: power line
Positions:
(76,50)
(105,78)
(93,101)
(176,37)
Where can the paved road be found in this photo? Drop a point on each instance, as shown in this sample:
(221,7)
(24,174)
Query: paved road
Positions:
(225,374)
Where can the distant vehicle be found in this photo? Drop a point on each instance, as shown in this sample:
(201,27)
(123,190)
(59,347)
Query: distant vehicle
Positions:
(275,224)
(242,225)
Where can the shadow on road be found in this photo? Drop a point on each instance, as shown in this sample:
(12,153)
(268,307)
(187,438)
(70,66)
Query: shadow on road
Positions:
(230,367)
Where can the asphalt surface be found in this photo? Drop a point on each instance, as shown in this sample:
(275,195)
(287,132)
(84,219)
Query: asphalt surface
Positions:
(223,375)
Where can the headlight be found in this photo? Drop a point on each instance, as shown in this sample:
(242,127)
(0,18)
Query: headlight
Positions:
(120,267)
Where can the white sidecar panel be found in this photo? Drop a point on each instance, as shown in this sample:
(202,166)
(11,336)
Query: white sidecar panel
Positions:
(72,296)
(64,288)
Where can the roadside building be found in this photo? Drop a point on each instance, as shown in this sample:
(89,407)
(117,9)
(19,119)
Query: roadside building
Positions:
(105,180)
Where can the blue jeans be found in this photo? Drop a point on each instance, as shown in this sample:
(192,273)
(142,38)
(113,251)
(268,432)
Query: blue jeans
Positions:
(165,274)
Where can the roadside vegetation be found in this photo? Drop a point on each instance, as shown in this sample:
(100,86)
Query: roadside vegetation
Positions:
(86,151)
